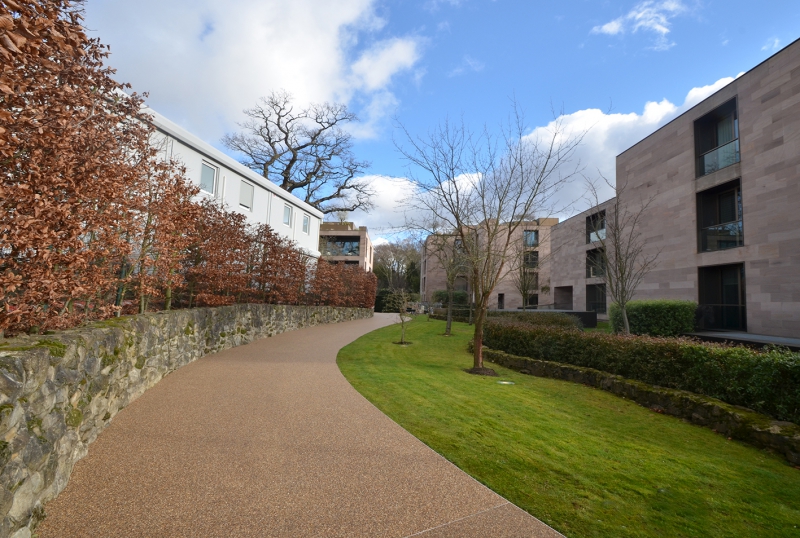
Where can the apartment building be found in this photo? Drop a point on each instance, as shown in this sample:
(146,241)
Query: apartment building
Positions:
(526,267)
(343,242)
(722,179)
(240,189)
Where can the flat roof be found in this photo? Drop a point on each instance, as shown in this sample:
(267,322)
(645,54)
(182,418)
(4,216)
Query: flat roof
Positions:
(174,130)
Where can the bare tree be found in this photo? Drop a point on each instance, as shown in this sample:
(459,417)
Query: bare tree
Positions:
(484,187)
(306,152)
(622,260)
(400,299)
(449,252)
(393,263)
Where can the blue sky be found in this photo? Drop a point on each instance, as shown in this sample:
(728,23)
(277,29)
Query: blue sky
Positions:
(622,67)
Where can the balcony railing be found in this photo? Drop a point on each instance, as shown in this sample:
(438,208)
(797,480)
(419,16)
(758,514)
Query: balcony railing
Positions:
(722,236)
(345,249)
(718,158)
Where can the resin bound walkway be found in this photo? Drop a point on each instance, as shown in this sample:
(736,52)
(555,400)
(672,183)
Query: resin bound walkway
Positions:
(269,439)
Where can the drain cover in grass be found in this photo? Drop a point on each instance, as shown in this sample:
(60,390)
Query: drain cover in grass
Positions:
(505,382)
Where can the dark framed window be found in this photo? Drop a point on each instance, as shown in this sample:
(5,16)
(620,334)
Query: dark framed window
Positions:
(596,298)
(531,259)
(530,238)
(719,217)
(595,263)
(596,227)
(339,246)
(721,303)
(716,139)
(501,301)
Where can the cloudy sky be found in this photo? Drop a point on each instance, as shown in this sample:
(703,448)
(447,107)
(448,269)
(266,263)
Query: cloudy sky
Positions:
(621,67)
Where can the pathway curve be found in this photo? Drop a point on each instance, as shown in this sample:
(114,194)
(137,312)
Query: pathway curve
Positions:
(269,439)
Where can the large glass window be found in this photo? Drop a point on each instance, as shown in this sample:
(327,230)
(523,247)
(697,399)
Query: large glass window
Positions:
(531,259)
(595,263)
(246,195)
(339,246)
(287,215)
(306,224)
(720,217)
(722,297)
(530,238)
(596,227)
(716,138)
(596,298)
(208,178)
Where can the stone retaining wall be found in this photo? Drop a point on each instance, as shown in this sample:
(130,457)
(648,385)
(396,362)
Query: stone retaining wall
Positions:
(730,420)
(59,391)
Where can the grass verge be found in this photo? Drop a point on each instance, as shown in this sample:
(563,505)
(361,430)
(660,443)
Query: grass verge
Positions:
(584,461)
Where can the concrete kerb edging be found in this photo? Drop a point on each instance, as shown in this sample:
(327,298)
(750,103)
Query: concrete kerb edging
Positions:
(730,420)
(59,391)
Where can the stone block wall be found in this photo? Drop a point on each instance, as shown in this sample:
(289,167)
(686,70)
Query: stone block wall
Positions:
(59,391)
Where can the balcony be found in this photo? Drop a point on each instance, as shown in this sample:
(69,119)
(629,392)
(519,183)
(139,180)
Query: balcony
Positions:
(339,248)
(722,236)
(718,158)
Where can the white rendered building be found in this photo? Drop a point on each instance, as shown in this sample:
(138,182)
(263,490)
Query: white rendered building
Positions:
(239,188)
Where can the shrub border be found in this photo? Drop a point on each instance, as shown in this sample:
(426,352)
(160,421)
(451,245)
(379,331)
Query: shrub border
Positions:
(730,420)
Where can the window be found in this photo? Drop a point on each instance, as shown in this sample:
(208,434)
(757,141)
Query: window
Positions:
(719,217)
(287,215)
(246,195)
(716,139)
(530,238)
(339,246)
(461,284)
(595,263)
(208,178)
(596,227)
(721,300)
(530,259)
(306,224)
(501,301)
(596,298)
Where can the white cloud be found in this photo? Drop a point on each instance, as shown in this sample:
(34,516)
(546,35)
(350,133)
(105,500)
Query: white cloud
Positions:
(772,43)
(609,134)
(389,214)
(203,61)
(468,63)
(650,15)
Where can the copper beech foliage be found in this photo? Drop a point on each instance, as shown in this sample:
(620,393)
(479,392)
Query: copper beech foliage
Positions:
(94,221)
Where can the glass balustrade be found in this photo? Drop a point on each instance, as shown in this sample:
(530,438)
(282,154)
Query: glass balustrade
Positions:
(722,236)
(718,158)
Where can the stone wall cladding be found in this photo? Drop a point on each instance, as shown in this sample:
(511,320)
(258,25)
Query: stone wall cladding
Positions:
(59,391)
(730,420)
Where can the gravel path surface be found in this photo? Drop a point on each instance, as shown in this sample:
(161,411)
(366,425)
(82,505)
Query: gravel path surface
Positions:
(269,439)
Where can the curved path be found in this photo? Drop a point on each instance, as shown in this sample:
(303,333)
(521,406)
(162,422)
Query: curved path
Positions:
(269,439)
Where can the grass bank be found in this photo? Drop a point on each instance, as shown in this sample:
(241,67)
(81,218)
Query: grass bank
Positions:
(583,461)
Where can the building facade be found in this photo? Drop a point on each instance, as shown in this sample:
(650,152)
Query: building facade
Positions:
(526,267)
(239,189)
(342,242)
(722,180)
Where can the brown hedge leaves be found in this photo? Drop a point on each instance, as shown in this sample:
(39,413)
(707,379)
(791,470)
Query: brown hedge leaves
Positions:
(93,220)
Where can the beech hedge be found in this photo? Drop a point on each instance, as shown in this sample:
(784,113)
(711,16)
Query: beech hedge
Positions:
(765,381)
(656,318)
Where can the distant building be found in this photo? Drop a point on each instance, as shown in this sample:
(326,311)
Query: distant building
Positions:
(239,188)
(342,242)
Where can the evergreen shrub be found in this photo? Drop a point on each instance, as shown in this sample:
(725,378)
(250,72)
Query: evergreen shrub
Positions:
(656,318)
(765,381)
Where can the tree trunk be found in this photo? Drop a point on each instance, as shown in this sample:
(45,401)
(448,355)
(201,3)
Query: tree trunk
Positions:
(168,298)
(477,355)
(449,311)
(626,327)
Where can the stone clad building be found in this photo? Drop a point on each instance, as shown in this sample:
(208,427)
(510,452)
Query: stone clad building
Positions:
(723,180)
(344,243)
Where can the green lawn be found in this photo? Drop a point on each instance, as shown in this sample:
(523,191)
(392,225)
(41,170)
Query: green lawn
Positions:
(602,327)
(584,461)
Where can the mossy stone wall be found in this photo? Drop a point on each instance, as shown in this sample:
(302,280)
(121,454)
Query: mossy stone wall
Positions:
(59,391)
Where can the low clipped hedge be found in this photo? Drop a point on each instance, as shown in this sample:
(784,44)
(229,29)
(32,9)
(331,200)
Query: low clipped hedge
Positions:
(656,318)
(765,381)
(550,319)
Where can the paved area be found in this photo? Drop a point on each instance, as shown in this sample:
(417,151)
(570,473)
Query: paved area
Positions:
(269,439)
